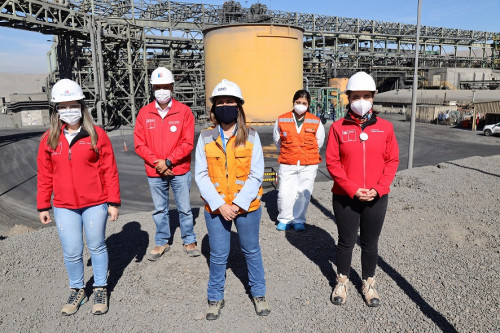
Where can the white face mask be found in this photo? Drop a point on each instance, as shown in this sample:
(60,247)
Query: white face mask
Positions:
(300,109)
(361,107)
(71,116)
(163,95)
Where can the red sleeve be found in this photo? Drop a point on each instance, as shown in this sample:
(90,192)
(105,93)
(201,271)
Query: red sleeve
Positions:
(334,165)
(186,143)
(109,169)
(141,146)
(391,164)
(44,175)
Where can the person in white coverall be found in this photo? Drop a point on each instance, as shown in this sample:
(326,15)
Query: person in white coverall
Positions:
(298,135)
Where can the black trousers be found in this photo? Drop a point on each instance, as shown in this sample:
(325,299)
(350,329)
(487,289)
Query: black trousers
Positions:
(368,217)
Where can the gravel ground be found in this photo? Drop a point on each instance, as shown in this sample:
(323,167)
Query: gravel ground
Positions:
(438,266)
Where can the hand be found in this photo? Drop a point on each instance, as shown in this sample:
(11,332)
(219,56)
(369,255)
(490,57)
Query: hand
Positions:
(168,172)
(160,166)
(364,194)
(228,212)
(113,213)
(45,217)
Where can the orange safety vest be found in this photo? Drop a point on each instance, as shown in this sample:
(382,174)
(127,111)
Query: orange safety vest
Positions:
(229,170)
(301,146)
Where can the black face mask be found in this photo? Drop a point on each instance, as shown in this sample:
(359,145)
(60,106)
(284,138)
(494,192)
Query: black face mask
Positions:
(226,114)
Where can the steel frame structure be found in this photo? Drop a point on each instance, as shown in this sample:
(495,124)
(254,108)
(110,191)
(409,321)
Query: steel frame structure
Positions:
(110,47)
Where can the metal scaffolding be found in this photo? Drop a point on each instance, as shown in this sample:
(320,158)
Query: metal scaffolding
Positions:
(111,47)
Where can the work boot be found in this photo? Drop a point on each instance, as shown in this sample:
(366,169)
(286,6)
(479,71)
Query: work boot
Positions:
(214,307)
(100,301)
(158,251)
(76,298)
(191,250)
(370,293)
(339,294)
(261,306)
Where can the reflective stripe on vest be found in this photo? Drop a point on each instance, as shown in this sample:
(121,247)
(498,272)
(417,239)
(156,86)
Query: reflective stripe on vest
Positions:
(301,146)
(229,170)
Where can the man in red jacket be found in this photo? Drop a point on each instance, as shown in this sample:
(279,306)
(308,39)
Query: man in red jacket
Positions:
(163,137)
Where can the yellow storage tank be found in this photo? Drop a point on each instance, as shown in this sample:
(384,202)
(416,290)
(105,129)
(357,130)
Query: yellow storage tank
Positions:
(264,60)
(340,83)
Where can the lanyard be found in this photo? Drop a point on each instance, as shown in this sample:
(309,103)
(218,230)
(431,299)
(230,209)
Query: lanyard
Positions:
(222,137)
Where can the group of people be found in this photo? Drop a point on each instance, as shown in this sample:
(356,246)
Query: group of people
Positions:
(78,178)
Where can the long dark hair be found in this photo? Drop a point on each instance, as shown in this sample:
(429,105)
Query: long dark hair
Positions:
(241,122)
(302,94)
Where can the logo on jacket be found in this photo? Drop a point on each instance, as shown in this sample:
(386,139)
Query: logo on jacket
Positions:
(56,151)
(349,135)
(150,124)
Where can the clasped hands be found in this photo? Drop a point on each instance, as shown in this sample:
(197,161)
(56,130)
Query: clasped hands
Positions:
(229,212)
(162,168)
(364,194)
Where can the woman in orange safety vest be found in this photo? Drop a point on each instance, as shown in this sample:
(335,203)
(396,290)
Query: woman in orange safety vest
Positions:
(298,135)
(229,168)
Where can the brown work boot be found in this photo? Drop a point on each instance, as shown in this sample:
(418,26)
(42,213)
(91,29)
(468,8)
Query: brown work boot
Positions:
(100,301)
(214,307)
(158,251)
(339,293)
(191,250)
(370,293)
(76,298)
(261,306)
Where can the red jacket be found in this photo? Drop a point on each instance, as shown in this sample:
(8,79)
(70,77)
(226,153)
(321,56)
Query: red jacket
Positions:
(77,175)
(169,138)
(354,163)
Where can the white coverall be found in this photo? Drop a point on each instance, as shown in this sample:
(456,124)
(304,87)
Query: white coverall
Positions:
(296,182)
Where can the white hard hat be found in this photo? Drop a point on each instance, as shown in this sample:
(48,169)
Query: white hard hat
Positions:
(66,90)
(227,88)
(361,81)
(161,75)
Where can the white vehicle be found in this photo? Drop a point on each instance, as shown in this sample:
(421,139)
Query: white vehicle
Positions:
(491,129)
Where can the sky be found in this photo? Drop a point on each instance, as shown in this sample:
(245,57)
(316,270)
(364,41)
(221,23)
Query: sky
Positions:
(24,52)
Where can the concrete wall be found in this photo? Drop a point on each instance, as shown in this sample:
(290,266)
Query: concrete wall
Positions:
(451,77)
(25,119)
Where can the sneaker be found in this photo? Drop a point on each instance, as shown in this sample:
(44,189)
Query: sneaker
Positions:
(100,301)
(370,293)
(261,306)
(214,307)
(76,298)
(191,250)
(283,226)
(299,226)
(339,294)
(158,251)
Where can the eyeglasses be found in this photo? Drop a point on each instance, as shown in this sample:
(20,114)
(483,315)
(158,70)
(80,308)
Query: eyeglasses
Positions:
(61,107)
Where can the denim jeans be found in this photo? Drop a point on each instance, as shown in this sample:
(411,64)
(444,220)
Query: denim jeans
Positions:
(70,225)
(219,236)
(181,186)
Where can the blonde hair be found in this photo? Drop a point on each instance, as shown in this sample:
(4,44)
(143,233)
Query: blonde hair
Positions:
(85,122)
(241,123)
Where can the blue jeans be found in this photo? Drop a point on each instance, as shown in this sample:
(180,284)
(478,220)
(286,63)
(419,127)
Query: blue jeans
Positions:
(159,191)
(70,225)
(219,236)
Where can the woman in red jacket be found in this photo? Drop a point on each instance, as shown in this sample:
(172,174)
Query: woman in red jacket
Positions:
(362,156)
(77,165)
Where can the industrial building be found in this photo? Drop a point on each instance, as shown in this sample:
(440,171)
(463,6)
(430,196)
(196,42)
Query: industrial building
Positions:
(111,47)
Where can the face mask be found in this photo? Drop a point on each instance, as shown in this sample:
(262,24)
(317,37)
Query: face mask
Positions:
(71,116)
(226,114)
(300,109)
(361,107)
(163,95)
